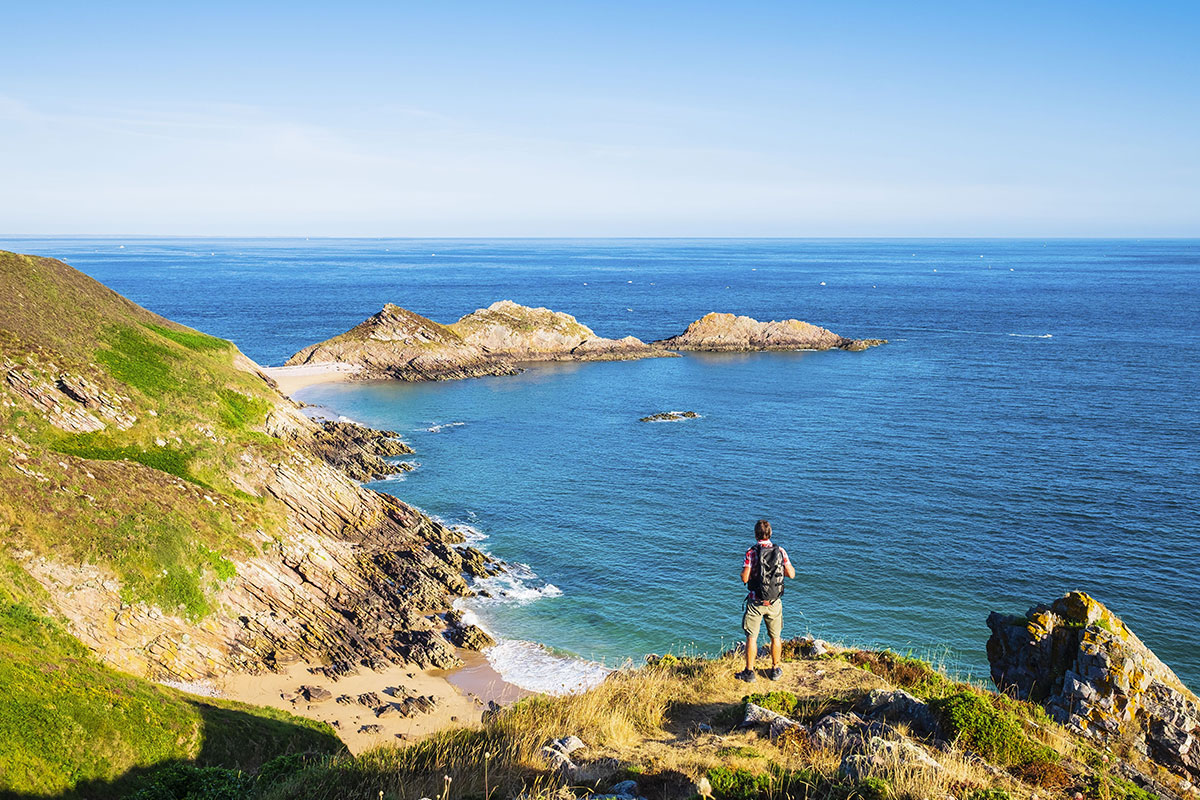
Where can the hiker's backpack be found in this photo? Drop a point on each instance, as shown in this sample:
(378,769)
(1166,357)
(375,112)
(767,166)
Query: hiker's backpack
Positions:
(767,580)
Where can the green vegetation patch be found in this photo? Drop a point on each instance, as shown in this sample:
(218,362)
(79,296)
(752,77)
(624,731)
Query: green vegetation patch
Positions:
(730,783)
(912,674)
(992,731)
(68,721)
(193,340)
(784,703)
(135,359)
(100,446)
(240,411)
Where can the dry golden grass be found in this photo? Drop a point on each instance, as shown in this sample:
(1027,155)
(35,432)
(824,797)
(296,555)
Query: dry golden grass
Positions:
(667,727)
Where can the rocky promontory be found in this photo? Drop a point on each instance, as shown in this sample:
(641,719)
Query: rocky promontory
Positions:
(400,344)
(729,333)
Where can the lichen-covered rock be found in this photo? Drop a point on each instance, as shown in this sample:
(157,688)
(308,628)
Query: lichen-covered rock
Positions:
(1092,674)
(897,705)
(879,756)
(729,333)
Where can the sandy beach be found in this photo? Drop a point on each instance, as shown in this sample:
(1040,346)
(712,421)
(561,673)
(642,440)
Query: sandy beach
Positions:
(293,379)
(459,698)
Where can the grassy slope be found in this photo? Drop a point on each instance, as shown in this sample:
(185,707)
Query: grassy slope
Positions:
(67,721)
(166,518)
(132,500)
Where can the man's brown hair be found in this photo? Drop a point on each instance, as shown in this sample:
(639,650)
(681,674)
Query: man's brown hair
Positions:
(762,530)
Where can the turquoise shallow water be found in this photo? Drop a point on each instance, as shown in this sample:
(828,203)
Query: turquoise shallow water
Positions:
(1032,428)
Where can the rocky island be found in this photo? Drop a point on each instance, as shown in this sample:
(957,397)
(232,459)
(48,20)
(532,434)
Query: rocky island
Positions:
(719,333)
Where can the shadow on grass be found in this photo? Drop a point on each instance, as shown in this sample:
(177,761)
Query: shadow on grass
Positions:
(232,739)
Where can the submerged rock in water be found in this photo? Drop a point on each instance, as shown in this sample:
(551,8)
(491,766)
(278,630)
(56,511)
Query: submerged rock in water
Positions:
(1080,661)
(670,416)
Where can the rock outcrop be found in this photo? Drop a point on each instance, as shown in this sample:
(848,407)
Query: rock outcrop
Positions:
(670,416)
(729,333)
(1092,674)
(357,450)
(520,333)
(397,343)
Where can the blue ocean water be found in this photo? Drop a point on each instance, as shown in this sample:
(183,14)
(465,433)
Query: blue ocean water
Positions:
(1031,428)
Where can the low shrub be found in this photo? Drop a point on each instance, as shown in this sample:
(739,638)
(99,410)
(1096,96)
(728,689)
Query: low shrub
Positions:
(784,703)
(189,782)
(994,733)
(873,789)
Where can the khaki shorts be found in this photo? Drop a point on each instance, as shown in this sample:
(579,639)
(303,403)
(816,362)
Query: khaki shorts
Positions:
(756,613)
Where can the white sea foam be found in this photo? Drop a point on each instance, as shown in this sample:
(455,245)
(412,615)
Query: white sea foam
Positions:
(514,585)
(1033,335)
(531,666)
(444,426)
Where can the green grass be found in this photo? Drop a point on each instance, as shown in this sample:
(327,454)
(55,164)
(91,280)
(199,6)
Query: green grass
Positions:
(239,411)
(68,721)
(133,358)
(193,340)
(100,446)
(982,724)
(784,703)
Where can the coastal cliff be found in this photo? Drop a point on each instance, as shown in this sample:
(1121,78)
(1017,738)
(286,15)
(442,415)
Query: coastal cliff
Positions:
(730,333)
(184,518)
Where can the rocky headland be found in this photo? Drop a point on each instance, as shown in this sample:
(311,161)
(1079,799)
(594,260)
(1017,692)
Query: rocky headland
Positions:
(722,333)
(519,333)
(400,344)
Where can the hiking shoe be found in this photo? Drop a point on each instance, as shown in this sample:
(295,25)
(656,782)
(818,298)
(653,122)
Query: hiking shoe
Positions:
(746,675)
(776,673)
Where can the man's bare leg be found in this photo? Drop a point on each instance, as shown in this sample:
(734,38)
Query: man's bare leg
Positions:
(751,652)
(776,650)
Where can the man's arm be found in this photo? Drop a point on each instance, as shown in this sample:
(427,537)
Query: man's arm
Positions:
(788,569)
(746,574)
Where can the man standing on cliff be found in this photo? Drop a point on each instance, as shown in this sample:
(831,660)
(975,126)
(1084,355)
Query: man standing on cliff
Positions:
(763,571)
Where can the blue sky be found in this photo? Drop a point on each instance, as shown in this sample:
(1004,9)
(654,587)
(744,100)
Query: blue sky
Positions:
(601,119)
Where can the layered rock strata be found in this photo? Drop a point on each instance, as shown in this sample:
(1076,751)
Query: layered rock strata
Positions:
(509,330)
(729,333)
(397,343)
(400,344)
(1092,674)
